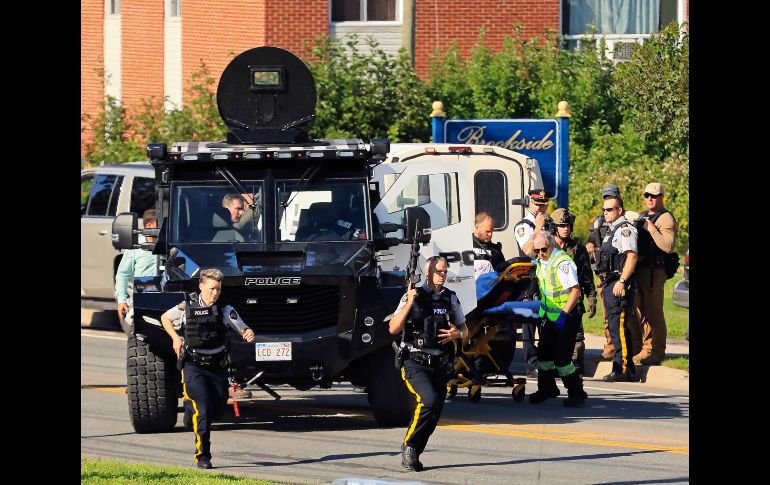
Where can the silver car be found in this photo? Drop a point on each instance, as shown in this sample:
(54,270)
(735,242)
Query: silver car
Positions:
(682,288)
(104,192)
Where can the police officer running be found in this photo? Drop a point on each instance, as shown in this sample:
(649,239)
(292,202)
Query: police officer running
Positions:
(428,318)
(564,222)
(203,356)
(557,280)
(617,258)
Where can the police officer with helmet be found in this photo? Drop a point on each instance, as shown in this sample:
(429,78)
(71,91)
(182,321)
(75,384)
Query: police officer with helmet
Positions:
(203,355)
(428,318)
(564,222)
(616,262)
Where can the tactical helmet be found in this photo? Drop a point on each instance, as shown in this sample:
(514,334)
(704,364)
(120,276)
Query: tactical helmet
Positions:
(563,216)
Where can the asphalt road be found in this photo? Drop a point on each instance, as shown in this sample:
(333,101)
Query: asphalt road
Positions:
(629,433)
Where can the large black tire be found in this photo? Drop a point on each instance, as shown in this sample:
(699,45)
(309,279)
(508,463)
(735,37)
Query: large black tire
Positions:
(392,404)
(153,387)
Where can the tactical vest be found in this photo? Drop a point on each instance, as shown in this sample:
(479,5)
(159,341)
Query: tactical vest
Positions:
(610,261)
(490,251)
(650,255)
(204,325)
(553,296)
(427,317)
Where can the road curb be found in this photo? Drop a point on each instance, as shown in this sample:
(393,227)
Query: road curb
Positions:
(97,318)
(653,375)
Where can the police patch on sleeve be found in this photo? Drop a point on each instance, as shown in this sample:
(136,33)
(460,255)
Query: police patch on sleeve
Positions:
(626,232)
(564,267)
(520,232)
(233,315)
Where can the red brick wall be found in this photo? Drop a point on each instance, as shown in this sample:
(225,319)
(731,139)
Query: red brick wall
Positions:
(432,29)
(216,31)
(91,58)
(291,22)
(141,50)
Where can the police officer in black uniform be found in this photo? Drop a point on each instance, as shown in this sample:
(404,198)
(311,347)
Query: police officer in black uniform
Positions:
(564,222)
(203,356)
(616,262)
(483,247)
(428,318)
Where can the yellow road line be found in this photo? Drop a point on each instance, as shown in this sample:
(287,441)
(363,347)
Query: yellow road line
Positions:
(586,439)
(117,390)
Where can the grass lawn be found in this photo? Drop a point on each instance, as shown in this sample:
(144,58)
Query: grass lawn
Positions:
(677,318)
(114,472)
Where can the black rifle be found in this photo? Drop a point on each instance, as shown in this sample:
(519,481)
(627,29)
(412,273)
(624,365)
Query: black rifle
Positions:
(411,269)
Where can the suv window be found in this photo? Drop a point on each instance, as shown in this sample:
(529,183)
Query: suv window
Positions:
(103,196)
(142,195)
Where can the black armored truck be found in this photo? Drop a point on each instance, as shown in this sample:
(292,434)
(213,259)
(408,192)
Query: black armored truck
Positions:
(289,221)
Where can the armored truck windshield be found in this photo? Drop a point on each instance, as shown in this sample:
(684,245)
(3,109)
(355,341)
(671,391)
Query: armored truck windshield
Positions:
(326,210)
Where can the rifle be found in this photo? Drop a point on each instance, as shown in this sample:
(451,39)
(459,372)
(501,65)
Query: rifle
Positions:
(411,269)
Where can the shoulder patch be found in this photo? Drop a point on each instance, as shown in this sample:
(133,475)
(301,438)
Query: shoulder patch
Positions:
(564,267)
(520,231)
(626,232)
(233,315)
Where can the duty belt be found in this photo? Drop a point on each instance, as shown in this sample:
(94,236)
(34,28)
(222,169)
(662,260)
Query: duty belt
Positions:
(204,359)
(428,359)
(605,278)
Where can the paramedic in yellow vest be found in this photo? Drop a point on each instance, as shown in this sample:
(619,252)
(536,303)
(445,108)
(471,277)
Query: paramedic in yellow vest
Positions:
(559,287)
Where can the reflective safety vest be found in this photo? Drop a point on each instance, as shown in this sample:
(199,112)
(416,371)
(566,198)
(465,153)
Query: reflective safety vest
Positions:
(552,296)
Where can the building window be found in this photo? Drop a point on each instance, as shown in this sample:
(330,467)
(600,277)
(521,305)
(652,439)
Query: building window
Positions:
(113,7)
(363,10)
(173,8)
(613,17)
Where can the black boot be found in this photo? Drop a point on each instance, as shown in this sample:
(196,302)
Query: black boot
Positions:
(546,386)
(576,396)
(410,459)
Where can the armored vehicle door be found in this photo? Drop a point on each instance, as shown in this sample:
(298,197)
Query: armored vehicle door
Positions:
(435,184)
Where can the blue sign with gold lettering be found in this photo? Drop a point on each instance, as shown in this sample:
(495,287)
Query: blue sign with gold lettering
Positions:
(544,140)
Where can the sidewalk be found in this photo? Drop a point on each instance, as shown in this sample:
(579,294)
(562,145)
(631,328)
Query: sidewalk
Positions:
(652,375)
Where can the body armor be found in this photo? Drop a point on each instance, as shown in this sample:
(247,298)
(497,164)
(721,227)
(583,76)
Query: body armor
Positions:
(426,318)
(610,261)
(204,326)
(650,255)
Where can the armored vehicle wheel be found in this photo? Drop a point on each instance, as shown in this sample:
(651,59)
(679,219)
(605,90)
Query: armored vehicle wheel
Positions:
(391,402)
(474,393)
(153,384)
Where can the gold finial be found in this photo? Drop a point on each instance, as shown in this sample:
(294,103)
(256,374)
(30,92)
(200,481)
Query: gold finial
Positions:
(563,106)
(438,110)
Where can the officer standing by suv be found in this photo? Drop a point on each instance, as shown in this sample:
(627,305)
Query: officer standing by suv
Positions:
(428,318)
(204,356)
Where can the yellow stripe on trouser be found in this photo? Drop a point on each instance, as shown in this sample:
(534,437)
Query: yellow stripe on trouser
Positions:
(416,411)
(194,420)
(623,346)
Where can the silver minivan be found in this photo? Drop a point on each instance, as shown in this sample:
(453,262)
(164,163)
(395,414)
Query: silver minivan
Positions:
(105,191)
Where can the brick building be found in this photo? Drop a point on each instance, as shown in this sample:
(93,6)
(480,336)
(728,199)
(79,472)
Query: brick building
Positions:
(150,47)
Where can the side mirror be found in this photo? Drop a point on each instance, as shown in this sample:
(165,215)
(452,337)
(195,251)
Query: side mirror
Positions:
(125,227)
(389,227)
(523,201)
(416,220)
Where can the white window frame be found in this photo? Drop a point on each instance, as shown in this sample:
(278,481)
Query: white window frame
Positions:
(397,21)
(108,4)
(170,12)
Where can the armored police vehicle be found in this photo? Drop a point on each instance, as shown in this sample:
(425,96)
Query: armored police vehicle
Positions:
(290,222)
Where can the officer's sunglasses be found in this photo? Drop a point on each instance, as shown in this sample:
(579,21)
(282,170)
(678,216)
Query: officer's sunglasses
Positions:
(608,209)
(650,196)
(541,250)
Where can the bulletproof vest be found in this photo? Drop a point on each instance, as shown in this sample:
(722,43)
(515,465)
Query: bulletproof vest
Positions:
(599,229)
(489,251)
(610,260)
(650,255)
(204,326)
(427,317)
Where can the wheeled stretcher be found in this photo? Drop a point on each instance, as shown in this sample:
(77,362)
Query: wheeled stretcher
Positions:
(504,303)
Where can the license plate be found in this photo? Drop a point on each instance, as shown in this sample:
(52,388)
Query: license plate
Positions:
(273,351)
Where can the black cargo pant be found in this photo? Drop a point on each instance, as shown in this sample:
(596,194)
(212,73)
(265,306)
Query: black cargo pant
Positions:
(618,310)
(205,390)
(428,386)
(557,345)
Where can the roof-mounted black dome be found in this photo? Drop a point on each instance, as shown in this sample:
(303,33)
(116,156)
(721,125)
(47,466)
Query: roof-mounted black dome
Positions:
(266,95)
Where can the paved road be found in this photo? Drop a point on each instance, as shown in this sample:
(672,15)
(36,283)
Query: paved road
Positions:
(630,433)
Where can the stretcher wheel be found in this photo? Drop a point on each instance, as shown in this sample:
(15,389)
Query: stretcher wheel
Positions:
(474,393)
(518,392)
(451,390)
